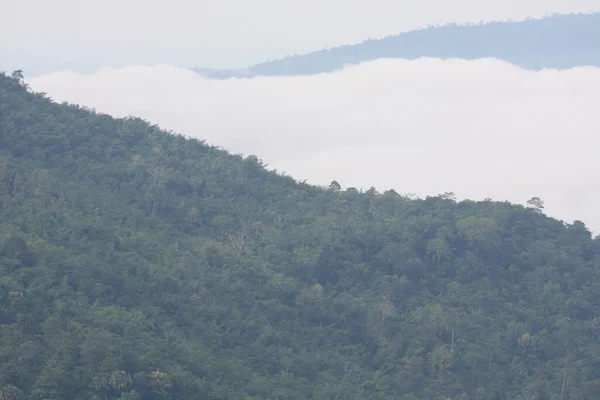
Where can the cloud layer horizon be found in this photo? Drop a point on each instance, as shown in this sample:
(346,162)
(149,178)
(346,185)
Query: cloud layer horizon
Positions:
(480,129)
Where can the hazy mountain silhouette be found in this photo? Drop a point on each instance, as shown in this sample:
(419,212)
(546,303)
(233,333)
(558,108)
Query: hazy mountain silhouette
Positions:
(557,41)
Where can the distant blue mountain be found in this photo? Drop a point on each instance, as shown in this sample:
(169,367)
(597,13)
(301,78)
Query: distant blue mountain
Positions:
(557,41)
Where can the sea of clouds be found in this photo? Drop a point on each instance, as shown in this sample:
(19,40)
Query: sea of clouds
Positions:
(480,129)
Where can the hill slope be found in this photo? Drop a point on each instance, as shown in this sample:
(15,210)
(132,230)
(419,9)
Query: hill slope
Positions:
(559,41)
(139,264)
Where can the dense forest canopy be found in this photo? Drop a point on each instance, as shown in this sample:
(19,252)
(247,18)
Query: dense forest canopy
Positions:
(138,264)
(557,41)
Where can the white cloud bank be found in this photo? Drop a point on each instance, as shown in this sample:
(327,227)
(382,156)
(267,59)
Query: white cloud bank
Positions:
(476,128)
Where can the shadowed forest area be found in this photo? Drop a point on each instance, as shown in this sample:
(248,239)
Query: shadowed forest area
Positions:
(138,264)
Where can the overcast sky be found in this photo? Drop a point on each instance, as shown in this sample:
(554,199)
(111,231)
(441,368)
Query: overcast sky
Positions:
(42,35)
(477,128)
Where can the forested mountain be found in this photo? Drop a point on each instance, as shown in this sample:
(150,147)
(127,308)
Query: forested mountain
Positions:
(138,264)
(558,41)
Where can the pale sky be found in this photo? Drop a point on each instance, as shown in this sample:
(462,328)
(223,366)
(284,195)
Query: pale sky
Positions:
(47,35)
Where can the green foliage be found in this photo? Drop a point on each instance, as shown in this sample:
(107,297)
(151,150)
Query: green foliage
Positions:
(137,264)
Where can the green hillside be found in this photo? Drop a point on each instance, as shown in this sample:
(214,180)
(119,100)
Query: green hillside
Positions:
(137,264)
